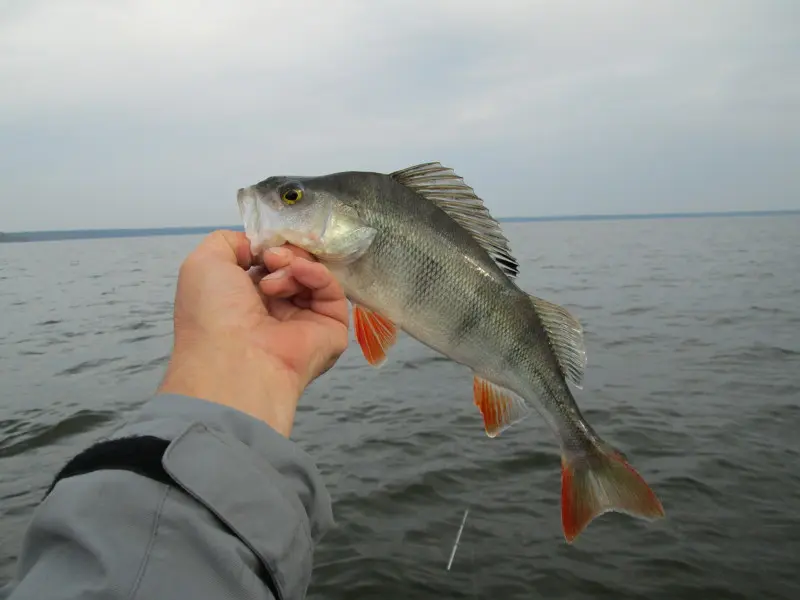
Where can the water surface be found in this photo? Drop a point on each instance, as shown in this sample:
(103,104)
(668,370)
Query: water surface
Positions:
(694,372)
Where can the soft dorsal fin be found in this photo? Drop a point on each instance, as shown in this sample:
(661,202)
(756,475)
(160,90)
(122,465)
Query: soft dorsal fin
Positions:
(447,190)
(566,338)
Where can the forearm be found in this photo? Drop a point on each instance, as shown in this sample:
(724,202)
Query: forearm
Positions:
(239,514)
(239,376)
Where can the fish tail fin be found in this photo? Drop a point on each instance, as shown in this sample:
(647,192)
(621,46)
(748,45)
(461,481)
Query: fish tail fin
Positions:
(601,481)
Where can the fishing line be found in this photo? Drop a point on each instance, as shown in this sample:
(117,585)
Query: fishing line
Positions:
(458,538)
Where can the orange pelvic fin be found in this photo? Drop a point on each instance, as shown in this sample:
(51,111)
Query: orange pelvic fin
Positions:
(602,482)
(500,407)
(375,334)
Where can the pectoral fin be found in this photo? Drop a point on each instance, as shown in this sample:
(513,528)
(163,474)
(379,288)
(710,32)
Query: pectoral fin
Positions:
(375,334)
(348,247)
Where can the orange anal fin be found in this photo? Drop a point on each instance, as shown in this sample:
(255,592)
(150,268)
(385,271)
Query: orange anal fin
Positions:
(501,408)
(600,483)
(375,334)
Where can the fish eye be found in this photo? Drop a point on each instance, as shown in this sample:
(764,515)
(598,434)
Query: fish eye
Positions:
(291,196)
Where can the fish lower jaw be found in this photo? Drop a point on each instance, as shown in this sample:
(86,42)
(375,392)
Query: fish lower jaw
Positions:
(260,243)
(273,239)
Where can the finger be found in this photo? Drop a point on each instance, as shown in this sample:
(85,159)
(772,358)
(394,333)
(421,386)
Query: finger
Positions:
(280,261)
(277,258)
(280,256)
(317,278)
(227,246)
(299,252)
(256,274)
(326,294)
(302,301)
(281,309)
(280,284)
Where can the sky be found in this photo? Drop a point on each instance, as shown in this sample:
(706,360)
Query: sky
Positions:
(146,113)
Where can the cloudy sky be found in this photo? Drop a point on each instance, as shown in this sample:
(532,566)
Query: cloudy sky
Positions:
(147,113)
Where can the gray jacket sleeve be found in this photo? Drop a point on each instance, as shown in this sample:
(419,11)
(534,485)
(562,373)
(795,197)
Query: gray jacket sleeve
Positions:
(240,520)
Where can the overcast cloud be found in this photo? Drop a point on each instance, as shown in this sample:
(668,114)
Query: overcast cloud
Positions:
(148,113)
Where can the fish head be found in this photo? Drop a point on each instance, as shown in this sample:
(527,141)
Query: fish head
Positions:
(282,209)
(300,211)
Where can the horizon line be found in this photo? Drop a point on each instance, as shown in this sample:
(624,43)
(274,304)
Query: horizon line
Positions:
(56,234)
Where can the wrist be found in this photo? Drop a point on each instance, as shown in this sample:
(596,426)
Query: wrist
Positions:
(242,377)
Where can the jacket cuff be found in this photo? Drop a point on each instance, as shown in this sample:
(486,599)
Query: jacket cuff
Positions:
(260,484)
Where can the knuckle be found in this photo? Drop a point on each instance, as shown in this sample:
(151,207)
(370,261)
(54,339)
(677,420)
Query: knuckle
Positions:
(214,236)
(188,265)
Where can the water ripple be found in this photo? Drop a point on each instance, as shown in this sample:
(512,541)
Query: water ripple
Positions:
(88,365)
(691,331)
(40,435)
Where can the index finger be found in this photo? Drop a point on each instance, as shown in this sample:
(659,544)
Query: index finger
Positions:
(327,296)
(288,252)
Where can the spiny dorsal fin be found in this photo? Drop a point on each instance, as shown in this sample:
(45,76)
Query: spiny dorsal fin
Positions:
(447,190)
(566,338)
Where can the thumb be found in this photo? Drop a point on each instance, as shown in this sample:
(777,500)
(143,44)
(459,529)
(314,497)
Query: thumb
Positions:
(225,246)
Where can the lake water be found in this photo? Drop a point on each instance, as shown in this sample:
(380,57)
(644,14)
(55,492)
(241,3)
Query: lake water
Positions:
(694,372)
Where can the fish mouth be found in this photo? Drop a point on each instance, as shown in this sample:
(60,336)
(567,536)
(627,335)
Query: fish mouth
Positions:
(261,224)
(268,225)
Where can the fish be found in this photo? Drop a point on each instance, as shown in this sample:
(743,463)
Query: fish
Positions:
(417,250)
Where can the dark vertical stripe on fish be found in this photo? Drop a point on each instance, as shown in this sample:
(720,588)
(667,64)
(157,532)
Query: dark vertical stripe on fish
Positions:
(467,324)
(429,271)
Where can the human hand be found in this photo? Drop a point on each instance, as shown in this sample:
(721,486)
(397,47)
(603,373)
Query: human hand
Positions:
(251,342)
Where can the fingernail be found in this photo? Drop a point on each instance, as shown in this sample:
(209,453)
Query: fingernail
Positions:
(279,251)
(279,274)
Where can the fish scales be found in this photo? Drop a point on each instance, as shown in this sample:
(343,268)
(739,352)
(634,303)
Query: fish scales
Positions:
(415,274)
(416,250)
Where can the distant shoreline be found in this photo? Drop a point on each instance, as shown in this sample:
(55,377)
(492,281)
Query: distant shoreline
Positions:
(85,234)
